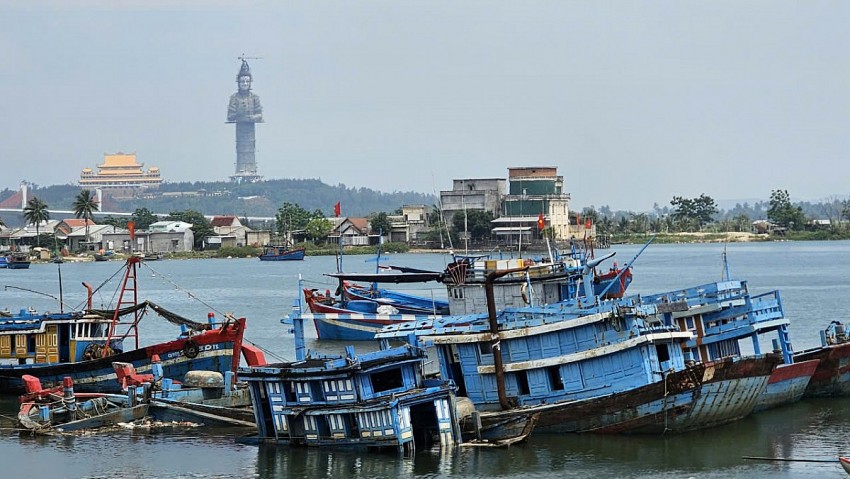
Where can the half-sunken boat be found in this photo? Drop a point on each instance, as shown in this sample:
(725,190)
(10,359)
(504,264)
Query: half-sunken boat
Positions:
(832,376)
(589,365)
(202,397)
(61,409)
(723,315)
(84,344)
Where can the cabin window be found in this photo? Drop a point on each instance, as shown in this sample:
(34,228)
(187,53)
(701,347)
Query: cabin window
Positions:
(689,323)
(522,382)
(663,352)
(485,348)
(387,380)
(555,381)
(31,343)
(98,330)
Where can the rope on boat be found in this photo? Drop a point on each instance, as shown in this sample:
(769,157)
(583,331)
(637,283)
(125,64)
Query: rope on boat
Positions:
(179,288)
(266,351)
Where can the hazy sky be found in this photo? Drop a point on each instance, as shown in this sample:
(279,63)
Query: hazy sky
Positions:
(633,101)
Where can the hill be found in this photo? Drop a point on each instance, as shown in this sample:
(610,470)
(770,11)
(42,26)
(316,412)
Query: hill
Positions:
(263,198)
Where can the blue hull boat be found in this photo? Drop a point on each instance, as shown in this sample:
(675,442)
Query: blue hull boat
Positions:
(590,365)
(281,253)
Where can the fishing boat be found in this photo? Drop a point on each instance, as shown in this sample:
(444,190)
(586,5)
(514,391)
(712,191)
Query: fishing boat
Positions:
(375,400)
(61,409)
(84,344)
(531,283)
(281,253)
(589,365)
(832,376)
(17,260)
(402,302)
(202,397)
(723,315)
(340,318)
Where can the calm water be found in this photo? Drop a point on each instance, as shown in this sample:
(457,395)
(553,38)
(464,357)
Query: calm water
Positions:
(811,276)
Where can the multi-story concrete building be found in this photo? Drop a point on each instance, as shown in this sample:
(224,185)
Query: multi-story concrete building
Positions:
(483,194)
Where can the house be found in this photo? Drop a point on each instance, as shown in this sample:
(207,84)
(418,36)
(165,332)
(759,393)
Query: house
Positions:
(64,227)
(411,225)
(167,237)
(351,232)
(483,194)
(76,239)
(229,232)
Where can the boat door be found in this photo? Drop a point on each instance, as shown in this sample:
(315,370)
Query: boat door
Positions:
(450,358)
(65,343)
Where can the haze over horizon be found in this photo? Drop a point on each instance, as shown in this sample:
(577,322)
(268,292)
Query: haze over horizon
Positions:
(634,102)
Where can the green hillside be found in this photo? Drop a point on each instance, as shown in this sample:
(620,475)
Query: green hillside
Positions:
(252,199)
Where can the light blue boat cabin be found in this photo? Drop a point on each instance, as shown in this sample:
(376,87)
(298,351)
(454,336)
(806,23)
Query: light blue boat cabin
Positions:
(377,400)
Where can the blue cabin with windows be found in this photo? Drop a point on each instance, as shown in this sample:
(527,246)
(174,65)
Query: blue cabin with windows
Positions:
(377,400)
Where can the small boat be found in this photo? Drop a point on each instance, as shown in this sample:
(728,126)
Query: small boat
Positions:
(61,409)
(17,260)
(404,303)
(203,397)
(3,261)
(845,463)
(281,253)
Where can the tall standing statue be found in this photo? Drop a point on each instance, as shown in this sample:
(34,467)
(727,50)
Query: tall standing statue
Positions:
(245,110)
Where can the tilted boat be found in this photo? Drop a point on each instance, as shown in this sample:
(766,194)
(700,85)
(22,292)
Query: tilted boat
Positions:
(832,376)
(83,345)
(61,409)
(589,365)
(202,397)
(723,315)
(281,253)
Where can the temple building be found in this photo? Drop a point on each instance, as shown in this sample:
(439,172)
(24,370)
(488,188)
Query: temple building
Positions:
(120,171)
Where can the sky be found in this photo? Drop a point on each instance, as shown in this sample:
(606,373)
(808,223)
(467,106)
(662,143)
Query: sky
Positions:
(635,102)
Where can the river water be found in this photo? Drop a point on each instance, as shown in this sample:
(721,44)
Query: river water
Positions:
(812,277)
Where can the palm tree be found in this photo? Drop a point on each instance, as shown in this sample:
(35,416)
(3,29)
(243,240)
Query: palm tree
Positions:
(85,204)
(36,212)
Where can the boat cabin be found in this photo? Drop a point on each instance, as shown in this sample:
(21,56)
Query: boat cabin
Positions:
(377,400)
(32,338)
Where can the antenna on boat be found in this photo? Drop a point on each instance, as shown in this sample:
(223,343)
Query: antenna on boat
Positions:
(626,266)
(725,275)
(59,270)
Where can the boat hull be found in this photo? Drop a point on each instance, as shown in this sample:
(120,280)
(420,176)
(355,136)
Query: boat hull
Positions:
(832,376)
(787,384)
(704,395)
(355,327)
(212,351)
(289,255)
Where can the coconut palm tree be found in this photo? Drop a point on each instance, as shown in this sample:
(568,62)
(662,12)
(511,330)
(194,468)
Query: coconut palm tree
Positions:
(35,213)
(85,204)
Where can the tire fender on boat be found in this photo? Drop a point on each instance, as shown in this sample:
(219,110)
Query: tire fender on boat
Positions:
(190,349)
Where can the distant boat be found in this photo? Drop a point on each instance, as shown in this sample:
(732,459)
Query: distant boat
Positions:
(17,260)
(281,253)
(3,262)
